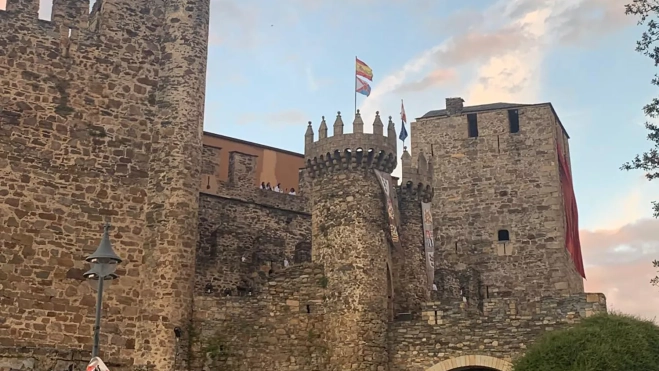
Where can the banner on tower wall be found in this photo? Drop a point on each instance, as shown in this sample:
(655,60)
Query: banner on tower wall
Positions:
(388,189)
(429,241)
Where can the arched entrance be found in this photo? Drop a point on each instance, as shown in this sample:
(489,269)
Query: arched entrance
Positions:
(472,363)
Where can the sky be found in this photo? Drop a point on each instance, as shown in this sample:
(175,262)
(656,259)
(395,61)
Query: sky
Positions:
(274,65)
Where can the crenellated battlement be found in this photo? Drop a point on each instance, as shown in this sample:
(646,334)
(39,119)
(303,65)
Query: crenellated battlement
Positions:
(417,178)
(73,27)
(356,150)
(69,20)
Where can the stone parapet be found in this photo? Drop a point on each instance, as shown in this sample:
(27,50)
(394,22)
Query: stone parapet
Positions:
(355,150)
(551,310)
(503,329)
(417,178)
(263,197)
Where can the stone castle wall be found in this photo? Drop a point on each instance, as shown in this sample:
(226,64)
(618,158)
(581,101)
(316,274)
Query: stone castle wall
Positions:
(90,120)
(242,241)
(503,328)
(246,233)
(500,181)
(280,328)
(101,120)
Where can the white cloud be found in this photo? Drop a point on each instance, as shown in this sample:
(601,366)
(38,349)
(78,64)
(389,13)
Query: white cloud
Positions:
(506,60)
(619,264)
(502,55)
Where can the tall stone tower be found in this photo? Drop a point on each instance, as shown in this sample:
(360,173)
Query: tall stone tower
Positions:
(349,226)
(410,265)
(101,119)
(502,204)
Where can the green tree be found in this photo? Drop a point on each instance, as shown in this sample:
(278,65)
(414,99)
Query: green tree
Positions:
(611,342)
(647,11)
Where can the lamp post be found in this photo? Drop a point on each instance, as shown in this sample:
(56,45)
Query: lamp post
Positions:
(104,263)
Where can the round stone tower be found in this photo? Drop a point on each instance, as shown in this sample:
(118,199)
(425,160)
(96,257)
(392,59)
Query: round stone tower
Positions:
(349,237)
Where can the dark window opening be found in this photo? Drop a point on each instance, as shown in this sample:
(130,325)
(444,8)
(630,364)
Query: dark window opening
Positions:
(503,235)
(308,308)
(513,119)
(432,149)
(472,125)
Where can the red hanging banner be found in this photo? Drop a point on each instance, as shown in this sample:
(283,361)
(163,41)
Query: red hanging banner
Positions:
(572,241)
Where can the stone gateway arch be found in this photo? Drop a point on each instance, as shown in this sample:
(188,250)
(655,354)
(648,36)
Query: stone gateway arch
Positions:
(472,363)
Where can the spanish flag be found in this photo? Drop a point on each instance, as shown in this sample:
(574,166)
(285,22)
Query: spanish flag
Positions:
(364,70)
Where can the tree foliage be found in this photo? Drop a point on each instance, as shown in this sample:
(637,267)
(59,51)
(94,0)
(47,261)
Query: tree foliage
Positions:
(647,11)
(611,342)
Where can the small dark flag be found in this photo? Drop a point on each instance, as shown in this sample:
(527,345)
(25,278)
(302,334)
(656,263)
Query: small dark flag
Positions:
(403,118)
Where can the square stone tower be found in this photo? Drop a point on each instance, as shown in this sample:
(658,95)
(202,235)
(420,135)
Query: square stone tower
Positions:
(101,119)
(503,200)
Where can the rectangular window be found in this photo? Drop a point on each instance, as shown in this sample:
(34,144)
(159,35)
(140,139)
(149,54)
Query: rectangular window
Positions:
(513,119)
(472,128)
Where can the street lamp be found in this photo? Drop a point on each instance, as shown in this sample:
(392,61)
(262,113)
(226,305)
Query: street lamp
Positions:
(104,263)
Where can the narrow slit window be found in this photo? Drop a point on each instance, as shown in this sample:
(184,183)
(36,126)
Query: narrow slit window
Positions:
(503,235)
(472,125)
(513,119)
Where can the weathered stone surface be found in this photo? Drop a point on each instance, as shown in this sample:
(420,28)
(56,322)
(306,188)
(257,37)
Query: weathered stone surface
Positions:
(99,122)
(280,328)
(242,243)
(502,328)
(500,181)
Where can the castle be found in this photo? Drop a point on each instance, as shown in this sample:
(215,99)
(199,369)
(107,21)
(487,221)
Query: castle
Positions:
(460,267)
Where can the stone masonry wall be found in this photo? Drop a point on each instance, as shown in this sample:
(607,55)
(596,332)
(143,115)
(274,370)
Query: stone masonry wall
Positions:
(243,242)
(348,235)
(500,181)
(503,328)
(279,329)
(247,233)
(89,122)
(410,278)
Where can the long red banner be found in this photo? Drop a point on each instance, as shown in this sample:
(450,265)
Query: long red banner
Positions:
(572,241)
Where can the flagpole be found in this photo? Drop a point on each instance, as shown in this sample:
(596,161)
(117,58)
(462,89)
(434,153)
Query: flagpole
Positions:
(355,87)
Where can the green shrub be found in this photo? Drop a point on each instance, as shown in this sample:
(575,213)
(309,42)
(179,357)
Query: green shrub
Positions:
(604,342)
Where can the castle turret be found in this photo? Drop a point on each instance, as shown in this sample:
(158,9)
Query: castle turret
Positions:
(412,269)
(174,172)
(350,239)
